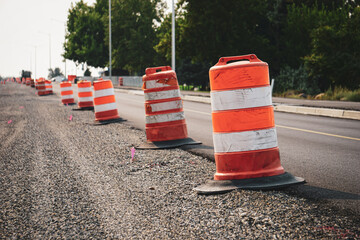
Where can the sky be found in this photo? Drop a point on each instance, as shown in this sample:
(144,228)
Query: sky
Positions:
(25,25)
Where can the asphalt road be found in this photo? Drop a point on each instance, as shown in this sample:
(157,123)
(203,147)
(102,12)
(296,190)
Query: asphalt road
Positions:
(325,151)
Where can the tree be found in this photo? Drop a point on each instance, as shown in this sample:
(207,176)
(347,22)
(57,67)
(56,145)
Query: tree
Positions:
(87,72)
(133,34)
(54,72)
(208,30)
(334,59)
(85,36)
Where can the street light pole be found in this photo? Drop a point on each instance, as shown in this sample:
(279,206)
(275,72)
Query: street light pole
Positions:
(50,50)
(49,47)
(64,40)
(35,63)
(173,37)
(110,39)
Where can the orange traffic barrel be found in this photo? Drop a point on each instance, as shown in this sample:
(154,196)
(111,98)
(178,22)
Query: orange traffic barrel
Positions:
(104,102)
(66,92)
(48,86)
(36,83)
(32,83)
(41,89)
(28,81)
(121,81)
(23,81)
(245,141)
(165,118)
(85,95)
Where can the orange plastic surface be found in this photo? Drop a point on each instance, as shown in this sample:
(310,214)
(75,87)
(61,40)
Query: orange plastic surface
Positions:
(243,119)
(250,164)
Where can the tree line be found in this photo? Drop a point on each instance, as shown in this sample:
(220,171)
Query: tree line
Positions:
(310,45)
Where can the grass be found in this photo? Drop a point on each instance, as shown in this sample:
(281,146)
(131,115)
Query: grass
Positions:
(342,94)
(191,88)
(338,94)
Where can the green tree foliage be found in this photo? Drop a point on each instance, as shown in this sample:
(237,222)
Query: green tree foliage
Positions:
(87,72)
(85,36)
(133,34)
(54,72)
(334,59)
(309,44)
(218,28)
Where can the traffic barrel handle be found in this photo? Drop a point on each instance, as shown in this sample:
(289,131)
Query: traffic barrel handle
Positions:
(152,70)
(250,58)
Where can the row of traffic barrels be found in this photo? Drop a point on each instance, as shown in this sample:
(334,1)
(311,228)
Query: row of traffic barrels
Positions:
(244,134)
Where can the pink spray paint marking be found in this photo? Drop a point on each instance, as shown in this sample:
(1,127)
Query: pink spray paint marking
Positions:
(10,121)
(132,153)
(70,118)
(21,107)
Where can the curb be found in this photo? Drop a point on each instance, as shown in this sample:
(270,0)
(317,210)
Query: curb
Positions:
(325,112)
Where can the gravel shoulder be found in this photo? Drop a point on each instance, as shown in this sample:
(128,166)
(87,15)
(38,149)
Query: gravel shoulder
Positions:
(75,180)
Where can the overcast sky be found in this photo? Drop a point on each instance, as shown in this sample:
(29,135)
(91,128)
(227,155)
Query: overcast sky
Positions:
(27,23)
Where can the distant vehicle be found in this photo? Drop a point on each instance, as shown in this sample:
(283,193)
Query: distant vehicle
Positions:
(58,79)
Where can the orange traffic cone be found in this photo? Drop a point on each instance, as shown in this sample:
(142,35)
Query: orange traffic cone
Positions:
(85,96)
(165,119)
(104,101)
(67,94)
(245,140)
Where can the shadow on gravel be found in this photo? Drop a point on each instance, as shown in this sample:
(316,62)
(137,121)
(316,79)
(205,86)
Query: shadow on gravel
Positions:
(101,123)
(318,193)
(201,146)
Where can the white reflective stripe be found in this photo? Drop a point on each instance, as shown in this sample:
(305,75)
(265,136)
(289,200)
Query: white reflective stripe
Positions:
(85,89)
(103,92)
(85,99)
(48,84)
(155,84)
(162,94)
(105,107)
(67,96)
(156,107)
(241,98)
(165,117)
(245,141)
(63,89)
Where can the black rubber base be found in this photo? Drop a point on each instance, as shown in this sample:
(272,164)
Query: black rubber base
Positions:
(262,183)
(167,144)
(67,104)
(105,122)
(83,109)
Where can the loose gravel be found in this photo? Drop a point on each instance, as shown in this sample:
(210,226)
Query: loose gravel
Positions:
(63,179)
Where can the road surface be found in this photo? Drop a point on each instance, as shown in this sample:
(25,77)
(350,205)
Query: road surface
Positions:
(325,151)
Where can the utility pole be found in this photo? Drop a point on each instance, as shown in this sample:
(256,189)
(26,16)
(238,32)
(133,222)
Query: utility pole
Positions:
(49,47)
(173,37)
(64,40)
(110,39)
(35,63)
